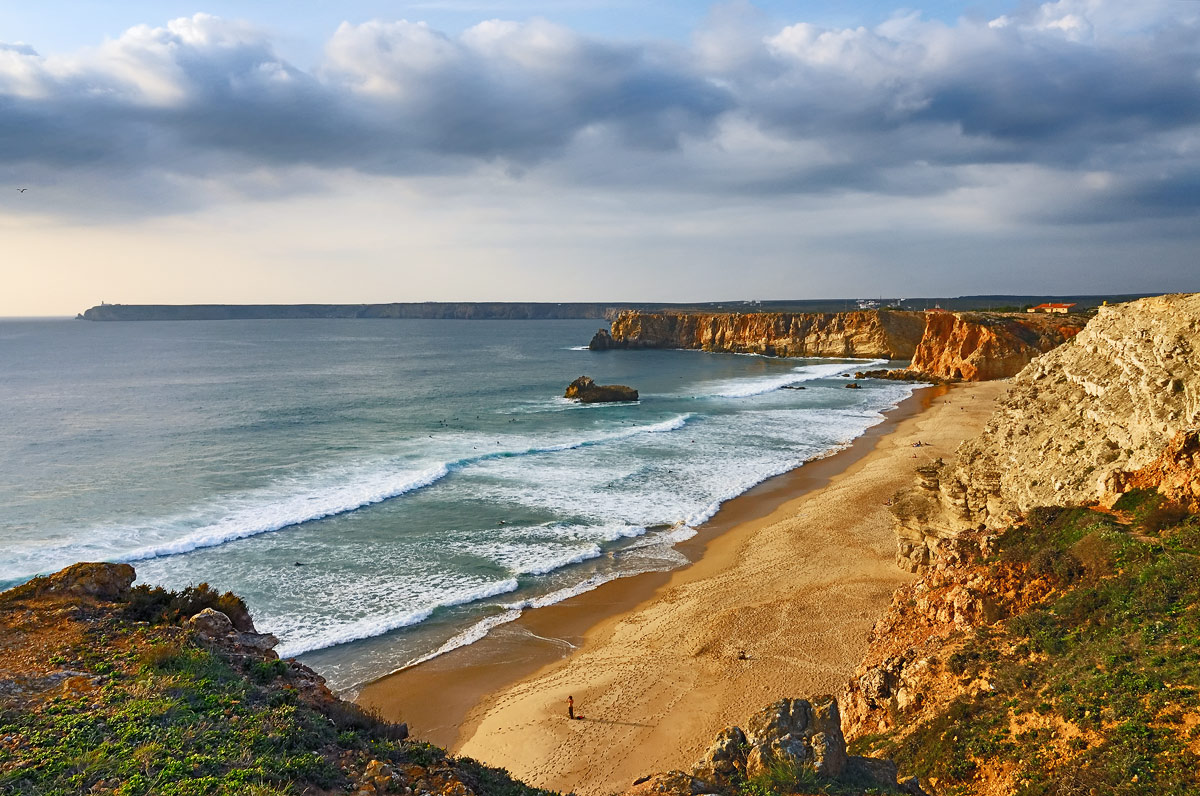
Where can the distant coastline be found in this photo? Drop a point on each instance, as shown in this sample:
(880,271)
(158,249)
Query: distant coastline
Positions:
(547,310)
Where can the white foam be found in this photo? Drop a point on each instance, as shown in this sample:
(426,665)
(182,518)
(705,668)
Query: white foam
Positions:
(293,501)
(371,626)
(532,558)
(747,388)
(469,636)
(292,510)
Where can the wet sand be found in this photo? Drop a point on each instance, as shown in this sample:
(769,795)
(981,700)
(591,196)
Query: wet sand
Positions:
(790,575)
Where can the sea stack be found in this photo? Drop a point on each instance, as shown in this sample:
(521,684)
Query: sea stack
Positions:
(601,341)
(587,391)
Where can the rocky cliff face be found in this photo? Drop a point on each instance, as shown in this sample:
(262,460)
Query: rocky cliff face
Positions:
(980,347)
(1075,425)
(943,345)
(887,334)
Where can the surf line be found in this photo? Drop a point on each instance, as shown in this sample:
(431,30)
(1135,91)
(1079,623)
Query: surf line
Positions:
(300,508)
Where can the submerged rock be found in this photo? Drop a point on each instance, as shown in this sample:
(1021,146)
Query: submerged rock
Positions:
(587,391)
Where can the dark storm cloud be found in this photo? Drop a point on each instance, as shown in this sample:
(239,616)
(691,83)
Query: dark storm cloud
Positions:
(905,109)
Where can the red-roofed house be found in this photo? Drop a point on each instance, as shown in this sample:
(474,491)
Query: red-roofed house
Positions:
(1062,308)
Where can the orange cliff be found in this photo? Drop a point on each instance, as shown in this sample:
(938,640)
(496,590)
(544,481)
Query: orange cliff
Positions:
(883,333)
(943,345)
(974,346)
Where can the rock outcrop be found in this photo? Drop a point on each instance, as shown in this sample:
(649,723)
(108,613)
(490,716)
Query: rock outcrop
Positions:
(587,391)
(791,735)
(942,346)
(100,581)
(1077,426)
(957,593)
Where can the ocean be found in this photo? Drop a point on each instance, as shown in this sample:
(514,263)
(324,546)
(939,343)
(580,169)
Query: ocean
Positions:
(382,491)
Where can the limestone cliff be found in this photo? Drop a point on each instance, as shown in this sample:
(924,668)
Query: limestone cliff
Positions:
(883,333)
(943,346)
(1074,425)
(983,346)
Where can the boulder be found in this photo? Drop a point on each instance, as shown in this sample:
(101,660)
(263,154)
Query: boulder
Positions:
(211,624)
(799,732)
(875,772)
(791,734)
(587,391)
(725,758)
(672,783)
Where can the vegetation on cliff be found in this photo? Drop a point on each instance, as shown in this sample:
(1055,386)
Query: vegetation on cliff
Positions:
(1092,686)
(110,690)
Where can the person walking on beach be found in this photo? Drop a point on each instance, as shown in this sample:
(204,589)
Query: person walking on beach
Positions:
(570,707)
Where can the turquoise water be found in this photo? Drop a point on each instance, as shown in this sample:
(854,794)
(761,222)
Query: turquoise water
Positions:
(379,491)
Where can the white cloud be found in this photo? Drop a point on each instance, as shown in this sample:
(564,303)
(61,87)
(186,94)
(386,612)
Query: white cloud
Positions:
(906,108)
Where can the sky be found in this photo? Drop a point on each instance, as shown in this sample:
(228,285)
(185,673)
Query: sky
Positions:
(594,150)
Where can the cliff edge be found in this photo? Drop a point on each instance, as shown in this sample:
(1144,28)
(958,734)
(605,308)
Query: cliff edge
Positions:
(1083,423)
(942,346)
(106,688)
(875,334)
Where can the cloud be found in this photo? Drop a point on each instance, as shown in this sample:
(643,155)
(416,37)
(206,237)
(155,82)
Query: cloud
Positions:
(908,108)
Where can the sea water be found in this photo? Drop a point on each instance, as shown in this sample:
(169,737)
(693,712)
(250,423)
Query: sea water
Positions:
(380,491)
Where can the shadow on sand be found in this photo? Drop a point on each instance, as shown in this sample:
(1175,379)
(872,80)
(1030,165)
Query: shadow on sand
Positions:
(612,721)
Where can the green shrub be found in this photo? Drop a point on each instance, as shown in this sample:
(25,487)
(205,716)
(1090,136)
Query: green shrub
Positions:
(156,605)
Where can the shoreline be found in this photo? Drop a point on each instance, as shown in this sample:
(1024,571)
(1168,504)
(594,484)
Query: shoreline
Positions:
(438,697)
(778,606)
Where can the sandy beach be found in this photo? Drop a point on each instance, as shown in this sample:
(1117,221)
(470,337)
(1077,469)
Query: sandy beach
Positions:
(784,587)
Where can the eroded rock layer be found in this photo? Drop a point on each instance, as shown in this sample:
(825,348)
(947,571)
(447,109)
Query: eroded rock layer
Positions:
(884,333)
(984,346)
(942,345)
(1075,427)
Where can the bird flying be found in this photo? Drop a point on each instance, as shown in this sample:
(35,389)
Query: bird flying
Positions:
(22,190)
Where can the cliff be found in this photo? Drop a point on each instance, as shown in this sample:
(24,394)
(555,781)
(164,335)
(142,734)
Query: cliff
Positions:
(1076,426)
(1057,657)
(884,333)
(980,346)
(1049,643)
(110,689)
(942,346)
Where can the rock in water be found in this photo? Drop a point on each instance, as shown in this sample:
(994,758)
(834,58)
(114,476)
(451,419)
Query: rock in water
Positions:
(601,341)
(587,391)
